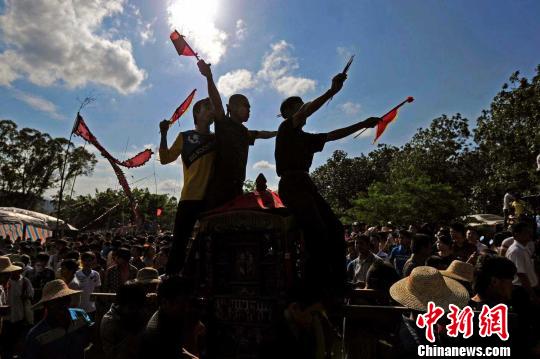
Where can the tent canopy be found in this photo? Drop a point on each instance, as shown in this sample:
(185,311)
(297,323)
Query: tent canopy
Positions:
(13,215)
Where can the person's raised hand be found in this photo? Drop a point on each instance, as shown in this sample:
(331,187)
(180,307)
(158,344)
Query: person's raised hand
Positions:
(164,126)
(337,82)
(204,68)
(372,121)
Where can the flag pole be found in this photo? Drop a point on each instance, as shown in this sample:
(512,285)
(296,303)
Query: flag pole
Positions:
(409,99)
(62,174)
(87,100)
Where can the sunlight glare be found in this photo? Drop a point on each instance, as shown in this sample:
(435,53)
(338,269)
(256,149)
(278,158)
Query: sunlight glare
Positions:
(196,20)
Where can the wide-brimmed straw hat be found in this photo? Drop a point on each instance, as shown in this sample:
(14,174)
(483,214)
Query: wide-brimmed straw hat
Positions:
(148,275)
(6,266)
(55,289)
(426,284)
(460,271)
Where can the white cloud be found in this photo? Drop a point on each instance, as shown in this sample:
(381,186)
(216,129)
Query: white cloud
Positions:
(344,52)
(277,66)
(147,34)
(144,30)
(294,86)
(264,165)
(63,42)
(196,20)
(169,185)
(236,81)
(241,30)
(350,108)
(38,103)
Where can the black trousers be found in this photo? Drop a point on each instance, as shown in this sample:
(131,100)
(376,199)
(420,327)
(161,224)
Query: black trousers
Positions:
(323,235)
(186,215)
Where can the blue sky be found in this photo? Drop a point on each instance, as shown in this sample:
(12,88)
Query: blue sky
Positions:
(452,56)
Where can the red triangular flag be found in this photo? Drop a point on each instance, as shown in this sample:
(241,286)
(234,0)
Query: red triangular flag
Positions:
(182,47)
(389,117)
(159,211)
(182,108)
(385,120)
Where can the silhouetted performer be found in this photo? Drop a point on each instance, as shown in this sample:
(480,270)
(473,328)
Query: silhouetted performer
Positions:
(197,149)
(232,143)
(323,232)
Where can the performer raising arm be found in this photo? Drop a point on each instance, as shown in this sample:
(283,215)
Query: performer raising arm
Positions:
(323,232)
(197,149)
(232,143)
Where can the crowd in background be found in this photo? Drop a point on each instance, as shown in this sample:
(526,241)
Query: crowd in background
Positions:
(152,315)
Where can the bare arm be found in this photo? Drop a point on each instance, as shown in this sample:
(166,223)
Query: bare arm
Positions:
(167,155)
(346,131)
(213,92)
(311,107)
(266,134)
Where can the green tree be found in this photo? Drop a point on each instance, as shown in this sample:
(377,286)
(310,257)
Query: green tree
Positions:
(82,211)
(508,138)
(413,200)
(30,164)
(342,178)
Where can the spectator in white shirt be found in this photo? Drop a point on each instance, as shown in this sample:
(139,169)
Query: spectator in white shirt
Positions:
(474,238)
(89,282)
(519,255)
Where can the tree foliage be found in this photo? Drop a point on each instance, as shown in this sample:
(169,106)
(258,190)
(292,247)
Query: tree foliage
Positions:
(82,211)
(31,161)
(446,169)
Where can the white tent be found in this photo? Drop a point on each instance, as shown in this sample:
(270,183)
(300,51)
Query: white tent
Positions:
(17,222)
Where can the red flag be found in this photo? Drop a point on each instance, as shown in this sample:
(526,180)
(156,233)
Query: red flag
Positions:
(389,117)
(80,129)
(138,160)
(159,212)
(182,47)
(182,108)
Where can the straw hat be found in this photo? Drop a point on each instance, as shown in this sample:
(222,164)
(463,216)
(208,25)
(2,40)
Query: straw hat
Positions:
(460,271)
(426,284)
(55,289)
(148,275)
(6,266)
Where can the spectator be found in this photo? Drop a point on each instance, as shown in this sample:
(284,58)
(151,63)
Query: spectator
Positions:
(473,237)
(358,268)
(519,255)
(377,246)
(507,206)
(149,278)
(59,251)
(400,254)
(68,268)
(136,254)
(492,281)
(6,340)
(380,277)
(121,272)
(445,253)
(123,324)
(40,274)
(425,284)
(461,248)
(170,328)
(57,335)
(89,281)
(149,252)
(25,259)
(421,250)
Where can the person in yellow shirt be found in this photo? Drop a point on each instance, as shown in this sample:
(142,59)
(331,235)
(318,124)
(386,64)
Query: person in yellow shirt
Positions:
(197,150)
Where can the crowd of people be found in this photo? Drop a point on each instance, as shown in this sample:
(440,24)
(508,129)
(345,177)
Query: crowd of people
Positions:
(50,309)
(102,295)
(448,265)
